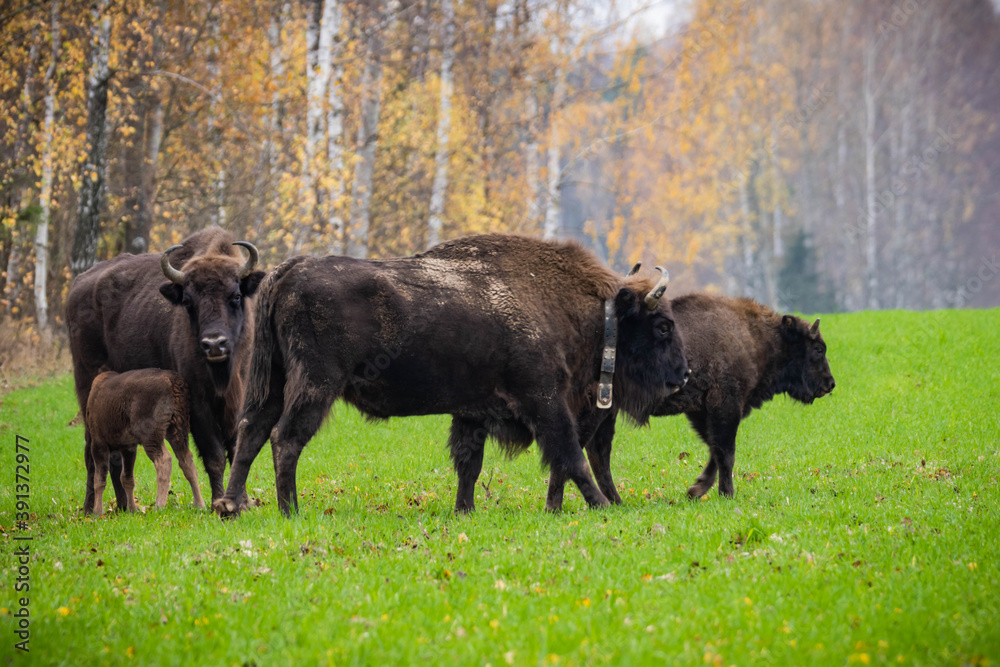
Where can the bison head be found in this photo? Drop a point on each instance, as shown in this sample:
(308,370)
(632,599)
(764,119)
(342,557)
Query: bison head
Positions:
(212,288)
(650,349)
(806,374)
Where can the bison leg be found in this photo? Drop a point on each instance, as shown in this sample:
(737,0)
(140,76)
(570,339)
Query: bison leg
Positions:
(179,443)
(160,457)
(209,444)
(251,434)
(295,429)
(121,495)
(599,455)
(467,442)
(128,477)
(100,455)
(719,433)
(725,453)
(560,447)
(706,480)
(88,460)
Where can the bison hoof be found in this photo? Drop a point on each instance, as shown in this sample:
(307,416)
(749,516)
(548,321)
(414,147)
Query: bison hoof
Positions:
(696,492)
(226,508)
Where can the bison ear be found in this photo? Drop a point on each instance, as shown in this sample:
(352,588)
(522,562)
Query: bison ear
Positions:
(626,303)
(250,284)
(173,292)
(790,328)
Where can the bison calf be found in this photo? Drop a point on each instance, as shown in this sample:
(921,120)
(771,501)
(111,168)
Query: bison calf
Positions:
(140,407)
(741,354)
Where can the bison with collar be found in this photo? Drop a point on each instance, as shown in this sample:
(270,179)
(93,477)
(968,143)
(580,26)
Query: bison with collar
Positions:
(479,326)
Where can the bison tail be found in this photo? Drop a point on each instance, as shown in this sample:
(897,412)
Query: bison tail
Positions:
(259,377)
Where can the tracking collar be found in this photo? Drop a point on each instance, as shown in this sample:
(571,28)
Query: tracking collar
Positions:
(608,357)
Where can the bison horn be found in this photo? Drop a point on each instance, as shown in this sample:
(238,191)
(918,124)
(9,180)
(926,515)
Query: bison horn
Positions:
(170,272)
(635,269)
(251,262)
(654,295)
(815,327)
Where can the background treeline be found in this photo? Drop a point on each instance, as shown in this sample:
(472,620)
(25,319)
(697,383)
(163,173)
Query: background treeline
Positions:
(827,155)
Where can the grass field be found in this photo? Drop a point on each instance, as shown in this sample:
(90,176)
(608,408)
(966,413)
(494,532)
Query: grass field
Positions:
(864,531)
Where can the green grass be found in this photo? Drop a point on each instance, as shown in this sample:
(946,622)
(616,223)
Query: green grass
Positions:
(864,530)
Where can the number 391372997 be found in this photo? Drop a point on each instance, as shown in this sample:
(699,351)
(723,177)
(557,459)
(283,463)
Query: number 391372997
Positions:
(22,487)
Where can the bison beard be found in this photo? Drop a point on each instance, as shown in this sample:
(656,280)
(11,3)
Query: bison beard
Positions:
(476,327)
(126,315)
(741,355)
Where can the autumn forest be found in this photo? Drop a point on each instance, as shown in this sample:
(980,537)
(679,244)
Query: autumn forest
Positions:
(819,156)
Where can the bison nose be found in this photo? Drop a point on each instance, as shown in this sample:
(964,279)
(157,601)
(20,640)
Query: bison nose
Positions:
(216,348)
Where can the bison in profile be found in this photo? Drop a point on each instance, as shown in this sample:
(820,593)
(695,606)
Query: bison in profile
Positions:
(473,327)
(142,407)
(184,310)
(741,355)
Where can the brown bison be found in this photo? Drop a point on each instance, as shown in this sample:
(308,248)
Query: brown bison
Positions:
(123,314)
(472,327)
(139,408)
(741,355)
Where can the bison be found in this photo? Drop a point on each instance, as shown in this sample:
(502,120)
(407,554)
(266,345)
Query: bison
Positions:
(139,408)
(741,355)
(472,327)
(123,315)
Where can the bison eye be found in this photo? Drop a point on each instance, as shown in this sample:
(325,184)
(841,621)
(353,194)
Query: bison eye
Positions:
(234,300)
(665,328)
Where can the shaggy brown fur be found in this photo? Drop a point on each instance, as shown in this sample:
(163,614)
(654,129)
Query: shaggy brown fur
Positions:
(139,408)
(494,327)
(124,314)
(741,355)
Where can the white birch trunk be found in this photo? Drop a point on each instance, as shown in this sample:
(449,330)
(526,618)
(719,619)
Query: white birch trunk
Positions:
(215,127)
(12,286)
(440,187)
(320,43)
(552,225)
(92,170)
(267,204)
(868,92)
(746,238)
(335,155)
(533,157)
(335,141)
(42,233)
(361,188)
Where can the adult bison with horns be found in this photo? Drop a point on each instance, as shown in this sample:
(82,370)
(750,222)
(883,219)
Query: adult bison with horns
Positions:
(121,314)
(500,330)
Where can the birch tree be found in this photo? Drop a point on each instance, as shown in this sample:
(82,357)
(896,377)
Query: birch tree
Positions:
(323,26)
(371,100)
(93,167)
(440,186)
(335,134)
(551,227)
(214,119)
(42,234)
(12,286)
